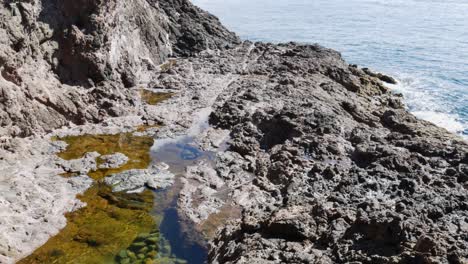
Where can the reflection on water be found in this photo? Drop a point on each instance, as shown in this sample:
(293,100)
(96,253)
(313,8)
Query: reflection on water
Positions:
(185,242)
(181,243)
(179,153)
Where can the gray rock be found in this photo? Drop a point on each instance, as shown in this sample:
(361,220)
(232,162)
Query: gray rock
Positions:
(344,173)
(82,165)
(322,160)
(113,161)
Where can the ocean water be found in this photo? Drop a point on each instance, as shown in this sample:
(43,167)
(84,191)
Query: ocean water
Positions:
(423,43)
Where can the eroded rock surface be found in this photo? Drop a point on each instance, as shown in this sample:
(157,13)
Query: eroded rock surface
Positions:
(316,161)
(322,159)
(342,172)
(71,61)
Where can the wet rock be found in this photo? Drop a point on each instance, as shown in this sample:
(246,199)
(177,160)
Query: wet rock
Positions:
(380,76)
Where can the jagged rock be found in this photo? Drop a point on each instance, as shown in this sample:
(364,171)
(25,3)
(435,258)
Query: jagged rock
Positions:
(82,165)
(56,57)
(322,160)
(347,174)
(113,161)
(155,177)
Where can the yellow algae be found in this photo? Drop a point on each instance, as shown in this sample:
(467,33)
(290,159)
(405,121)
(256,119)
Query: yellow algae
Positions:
(110,222)
(98,232)
(153,98)
(112,227)
(136,148)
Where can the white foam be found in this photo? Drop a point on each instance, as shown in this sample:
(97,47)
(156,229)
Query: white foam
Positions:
(447,121)
(427,105)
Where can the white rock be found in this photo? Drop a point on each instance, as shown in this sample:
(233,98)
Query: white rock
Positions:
(156,176)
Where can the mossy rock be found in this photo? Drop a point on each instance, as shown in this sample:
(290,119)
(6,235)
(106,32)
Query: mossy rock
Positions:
(131,255)
(152,254)
(143,250)
(142,237)
(125,261)
(137,245)
(123,254)
(149,261)
(152,240)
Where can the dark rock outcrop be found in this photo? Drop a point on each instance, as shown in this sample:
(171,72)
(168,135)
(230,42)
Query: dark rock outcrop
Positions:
(345,173)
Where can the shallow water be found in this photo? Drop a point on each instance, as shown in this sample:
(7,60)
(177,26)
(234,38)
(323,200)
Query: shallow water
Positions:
(179,153)
(127,228)
(424,43)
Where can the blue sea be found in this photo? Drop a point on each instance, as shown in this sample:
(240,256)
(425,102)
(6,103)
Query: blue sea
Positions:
(423,43)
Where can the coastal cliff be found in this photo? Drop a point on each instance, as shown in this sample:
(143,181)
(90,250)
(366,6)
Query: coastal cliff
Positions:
(316,160)
(71,61)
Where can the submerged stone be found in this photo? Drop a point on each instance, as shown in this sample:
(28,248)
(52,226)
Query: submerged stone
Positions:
(123,254)
(98,232)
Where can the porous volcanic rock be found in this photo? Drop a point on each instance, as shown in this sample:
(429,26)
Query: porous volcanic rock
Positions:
(343,172)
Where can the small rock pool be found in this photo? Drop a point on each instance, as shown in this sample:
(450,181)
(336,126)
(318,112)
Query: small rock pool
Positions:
(139,225)
(121,227)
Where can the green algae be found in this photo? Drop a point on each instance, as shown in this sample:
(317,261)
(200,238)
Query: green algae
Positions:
(154,98)
(110,221)
(97,232)
(149,248)
(136,148)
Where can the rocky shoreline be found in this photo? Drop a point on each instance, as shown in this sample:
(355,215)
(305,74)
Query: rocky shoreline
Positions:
(315,160)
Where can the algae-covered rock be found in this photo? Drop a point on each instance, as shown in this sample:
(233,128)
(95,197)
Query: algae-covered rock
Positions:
(125,261)
(98,231)
(131,255)
(123,254)
(137,245)
(153,239)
